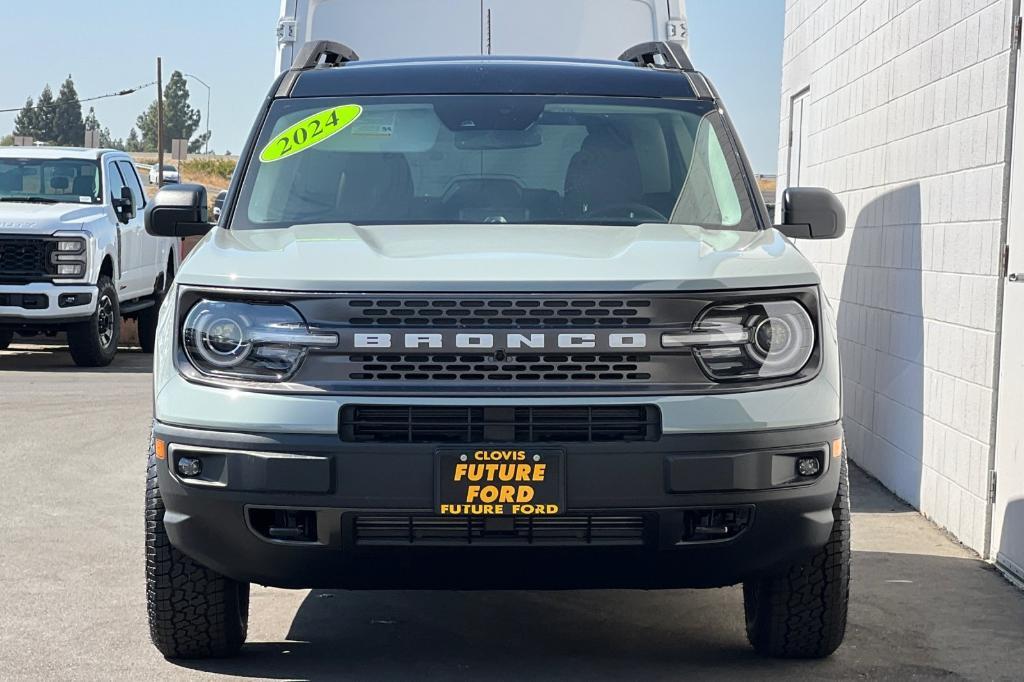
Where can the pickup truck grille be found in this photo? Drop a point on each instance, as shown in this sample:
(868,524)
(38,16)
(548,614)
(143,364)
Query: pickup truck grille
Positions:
(532,368)
(24,260)
(506,313)
(429,424)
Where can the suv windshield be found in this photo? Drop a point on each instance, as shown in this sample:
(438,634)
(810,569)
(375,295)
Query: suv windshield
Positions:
(494,159)
(75,181)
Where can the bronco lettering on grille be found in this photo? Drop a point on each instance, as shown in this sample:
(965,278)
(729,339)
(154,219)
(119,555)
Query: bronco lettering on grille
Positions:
(487,341)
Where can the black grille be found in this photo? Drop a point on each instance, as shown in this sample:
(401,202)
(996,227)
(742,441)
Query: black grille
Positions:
(427,424)
(611,367)
(504,313)
(24,259)
(382,530)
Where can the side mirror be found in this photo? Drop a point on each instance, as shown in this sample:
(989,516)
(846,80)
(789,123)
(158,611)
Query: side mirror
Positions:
(178,211)
(812,213)
(124,206)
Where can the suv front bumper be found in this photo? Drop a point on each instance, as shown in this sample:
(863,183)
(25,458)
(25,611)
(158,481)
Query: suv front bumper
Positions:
(39,303)
(656,489)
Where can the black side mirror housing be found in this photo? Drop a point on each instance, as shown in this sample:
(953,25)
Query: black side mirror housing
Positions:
(812,213)
(178,211)
(124,206)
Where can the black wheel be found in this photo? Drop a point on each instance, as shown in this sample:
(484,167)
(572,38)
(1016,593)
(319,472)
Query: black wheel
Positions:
(93,343)
(802,612)
(194,612)
(6,336)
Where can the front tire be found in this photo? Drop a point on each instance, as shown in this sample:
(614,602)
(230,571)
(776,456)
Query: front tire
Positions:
(194,612)
(93,343)
(6,336)
(802,613)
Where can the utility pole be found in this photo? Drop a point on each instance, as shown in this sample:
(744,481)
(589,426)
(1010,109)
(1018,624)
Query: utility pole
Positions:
(159,123)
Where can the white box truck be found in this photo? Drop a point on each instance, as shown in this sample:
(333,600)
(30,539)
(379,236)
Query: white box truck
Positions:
(385,29)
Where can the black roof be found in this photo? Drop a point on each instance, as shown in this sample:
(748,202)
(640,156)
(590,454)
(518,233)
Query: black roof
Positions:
(493,75)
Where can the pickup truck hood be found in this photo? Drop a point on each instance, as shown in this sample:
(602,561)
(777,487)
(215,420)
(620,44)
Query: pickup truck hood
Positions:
(345,257)
(18,218)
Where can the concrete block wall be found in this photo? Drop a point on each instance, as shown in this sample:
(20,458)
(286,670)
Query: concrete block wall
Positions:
(908,125)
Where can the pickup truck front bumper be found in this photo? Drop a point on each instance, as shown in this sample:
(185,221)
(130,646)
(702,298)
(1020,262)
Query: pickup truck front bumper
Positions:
(44,304)
(689,510)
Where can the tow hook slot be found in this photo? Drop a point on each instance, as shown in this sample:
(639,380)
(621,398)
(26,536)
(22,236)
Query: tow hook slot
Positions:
(714,525)
(284,525)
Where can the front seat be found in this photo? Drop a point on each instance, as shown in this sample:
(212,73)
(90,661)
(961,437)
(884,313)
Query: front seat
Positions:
(604,172)
(83,186)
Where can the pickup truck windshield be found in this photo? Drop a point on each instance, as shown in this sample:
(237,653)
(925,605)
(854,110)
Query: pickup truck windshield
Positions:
(493,159)
(75,181)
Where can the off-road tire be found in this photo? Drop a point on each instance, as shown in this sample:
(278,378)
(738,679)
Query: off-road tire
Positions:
(6,336)
(194,612)
(801,613)
(93,343)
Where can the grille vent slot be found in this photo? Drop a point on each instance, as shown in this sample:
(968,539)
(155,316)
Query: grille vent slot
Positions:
(24,259)
(503,313)
(383,530)
(428,424)
(463,367)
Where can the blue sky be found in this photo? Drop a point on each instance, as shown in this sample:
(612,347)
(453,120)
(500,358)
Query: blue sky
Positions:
(230,45)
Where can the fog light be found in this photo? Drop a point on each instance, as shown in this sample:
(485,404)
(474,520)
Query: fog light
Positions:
(808,466)
(190,467)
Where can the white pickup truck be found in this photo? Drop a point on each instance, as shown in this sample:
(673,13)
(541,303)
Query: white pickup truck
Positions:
(74,254)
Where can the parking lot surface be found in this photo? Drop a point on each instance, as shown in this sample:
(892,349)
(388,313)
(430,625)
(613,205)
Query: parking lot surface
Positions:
(72,601)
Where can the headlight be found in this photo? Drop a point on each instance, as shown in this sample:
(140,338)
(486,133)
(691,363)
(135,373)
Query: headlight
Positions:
(766,340)
(68,258)
(256,341)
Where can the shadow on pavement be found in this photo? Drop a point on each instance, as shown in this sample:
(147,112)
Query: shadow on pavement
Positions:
(28,357)
(912,615)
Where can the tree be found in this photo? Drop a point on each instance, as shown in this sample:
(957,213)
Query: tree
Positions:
(27,122)
(68,127)
(106,141)
(133,143)
(181,120)
(7,141)
(44,117)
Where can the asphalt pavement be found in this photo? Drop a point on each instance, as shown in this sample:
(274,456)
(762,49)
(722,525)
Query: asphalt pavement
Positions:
(72,599)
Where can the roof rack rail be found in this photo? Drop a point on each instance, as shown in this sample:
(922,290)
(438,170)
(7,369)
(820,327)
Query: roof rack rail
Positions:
(332,54)
(662,54)
(315,55)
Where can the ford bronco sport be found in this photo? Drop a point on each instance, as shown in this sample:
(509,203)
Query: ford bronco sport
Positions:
(496,323)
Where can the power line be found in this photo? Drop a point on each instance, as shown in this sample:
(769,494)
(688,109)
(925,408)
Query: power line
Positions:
(119,93)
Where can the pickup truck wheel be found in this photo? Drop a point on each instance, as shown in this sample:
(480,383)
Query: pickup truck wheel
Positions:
(194,612)
(802,613)
(6,336)
(93,343)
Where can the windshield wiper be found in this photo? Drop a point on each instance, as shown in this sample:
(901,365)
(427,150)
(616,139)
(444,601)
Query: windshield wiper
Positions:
(29,200)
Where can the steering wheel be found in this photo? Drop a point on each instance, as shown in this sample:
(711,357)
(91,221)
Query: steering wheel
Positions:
(630,210)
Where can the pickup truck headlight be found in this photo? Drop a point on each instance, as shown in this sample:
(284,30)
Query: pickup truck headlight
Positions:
(254,341)
(763,340)
(68,258)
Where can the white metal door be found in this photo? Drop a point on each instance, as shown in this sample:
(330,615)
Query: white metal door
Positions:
(798,138)
(1008,511)
(572,28)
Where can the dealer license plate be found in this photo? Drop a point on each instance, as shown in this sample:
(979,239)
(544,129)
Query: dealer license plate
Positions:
(500,481)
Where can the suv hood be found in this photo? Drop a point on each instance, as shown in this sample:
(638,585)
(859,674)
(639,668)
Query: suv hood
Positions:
(18,218)
(345,257)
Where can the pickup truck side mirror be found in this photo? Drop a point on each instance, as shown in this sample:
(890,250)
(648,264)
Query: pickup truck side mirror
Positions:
(178,211)
(124,206)
(812,213)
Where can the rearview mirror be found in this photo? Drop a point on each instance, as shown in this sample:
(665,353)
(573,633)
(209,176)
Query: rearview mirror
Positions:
(812,213)
(178,211)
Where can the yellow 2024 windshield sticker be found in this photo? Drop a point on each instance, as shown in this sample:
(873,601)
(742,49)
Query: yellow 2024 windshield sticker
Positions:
(310,131)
